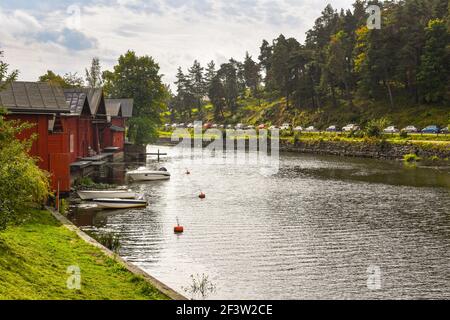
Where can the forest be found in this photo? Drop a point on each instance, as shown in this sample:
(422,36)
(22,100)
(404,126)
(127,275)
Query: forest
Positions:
(344,71)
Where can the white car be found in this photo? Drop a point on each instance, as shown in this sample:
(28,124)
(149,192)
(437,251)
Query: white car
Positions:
(298,129)
(229,126)
(273,127)
(410,129)
(214,126)
(181,125)
(390,129)
(174,125)
(285,126)
(239,126)
(190,126)
(332,129)
(350,127)
(310,129)
(250,127)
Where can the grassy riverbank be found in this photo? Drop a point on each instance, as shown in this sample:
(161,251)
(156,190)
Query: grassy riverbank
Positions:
(34,258)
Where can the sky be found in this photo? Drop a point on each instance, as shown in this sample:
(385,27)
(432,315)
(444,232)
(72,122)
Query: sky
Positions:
(64,36)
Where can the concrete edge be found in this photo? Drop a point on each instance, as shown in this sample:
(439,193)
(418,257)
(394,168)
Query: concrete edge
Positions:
(169,292)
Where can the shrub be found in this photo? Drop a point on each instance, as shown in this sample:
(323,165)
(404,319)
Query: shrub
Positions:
(22,184)
(403,134)
(411,157)
(375,127)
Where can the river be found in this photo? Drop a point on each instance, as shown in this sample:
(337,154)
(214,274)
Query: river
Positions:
(321,228)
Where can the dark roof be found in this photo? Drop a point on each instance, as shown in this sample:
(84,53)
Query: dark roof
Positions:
(77,101)
(33,97)
(94,96)
(126,106)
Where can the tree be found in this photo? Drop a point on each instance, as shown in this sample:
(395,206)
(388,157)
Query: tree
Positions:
(94,74)
(197,85)
(434,71)
(251,74)
(228,74)
(22,183)
(69,80)
(138,78)
(6,78)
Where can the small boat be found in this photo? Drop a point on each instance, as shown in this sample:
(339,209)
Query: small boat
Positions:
(144,174)
(106,194)
(120,203)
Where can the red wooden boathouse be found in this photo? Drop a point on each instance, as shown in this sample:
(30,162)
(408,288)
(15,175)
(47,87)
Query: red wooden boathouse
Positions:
(40,104)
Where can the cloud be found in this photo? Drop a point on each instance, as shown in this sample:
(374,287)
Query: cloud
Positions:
(68,38)
(174,32)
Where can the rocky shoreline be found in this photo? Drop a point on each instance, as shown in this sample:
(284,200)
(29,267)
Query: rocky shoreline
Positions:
(377,149)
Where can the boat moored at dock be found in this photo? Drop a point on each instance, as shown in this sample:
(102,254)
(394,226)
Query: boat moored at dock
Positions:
(106,194)
(120,203)
(144,174)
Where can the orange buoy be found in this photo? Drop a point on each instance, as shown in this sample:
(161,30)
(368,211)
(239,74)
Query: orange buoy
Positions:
(178,229)
(202,195)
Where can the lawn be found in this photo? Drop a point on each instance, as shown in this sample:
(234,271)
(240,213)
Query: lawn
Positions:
(34,258)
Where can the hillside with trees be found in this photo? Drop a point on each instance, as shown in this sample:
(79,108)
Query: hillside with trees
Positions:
(343,72)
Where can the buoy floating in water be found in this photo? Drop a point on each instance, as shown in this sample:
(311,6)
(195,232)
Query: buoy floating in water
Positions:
(188,172)
(202,195)
(178,228)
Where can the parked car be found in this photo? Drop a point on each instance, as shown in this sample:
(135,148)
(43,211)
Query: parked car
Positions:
(222,126)
(431,129)
(298,129)
(285,126)
(190,126)
(239,126)
(181,125)
(230,126)
(174,126)
(410,129)
(445,130)
(167,125)
(197,125)
(250,127)
(350,128)
(391,129)
(273,127)
(261,126)
(332,129)
(310,129)
(215,126)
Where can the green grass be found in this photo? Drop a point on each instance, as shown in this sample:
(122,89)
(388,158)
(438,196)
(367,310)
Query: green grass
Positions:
(34,258)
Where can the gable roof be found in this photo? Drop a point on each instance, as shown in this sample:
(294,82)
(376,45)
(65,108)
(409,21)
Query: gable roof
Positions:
(94,97)
(126,106)
(33,97)
(77,101)
(113,108)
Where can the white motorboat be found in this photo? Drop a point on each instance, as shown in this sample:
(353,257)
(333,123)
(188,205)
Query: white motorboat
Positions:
(120,203)
(144,174)
(106,194)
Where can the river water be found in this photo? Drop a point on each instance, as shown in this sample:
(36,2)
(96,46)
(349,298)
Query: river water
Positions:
(321,228)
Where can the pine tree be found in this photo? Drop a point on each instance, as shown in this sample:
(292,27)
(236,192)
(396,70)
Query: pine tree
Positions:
(434,71)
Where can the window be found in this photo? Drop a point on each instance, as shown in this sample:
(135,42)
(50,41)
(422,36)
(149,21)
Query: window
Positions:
(72,143)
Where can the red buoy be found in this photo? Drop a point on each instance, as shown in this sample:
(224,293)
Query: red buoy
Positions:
(178,229)
(202,195)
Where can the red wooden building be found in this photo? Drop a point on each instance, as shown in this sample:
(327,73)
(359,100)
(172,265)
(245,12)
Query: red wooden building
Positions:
(40,104)
(89,111)
(117,111)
